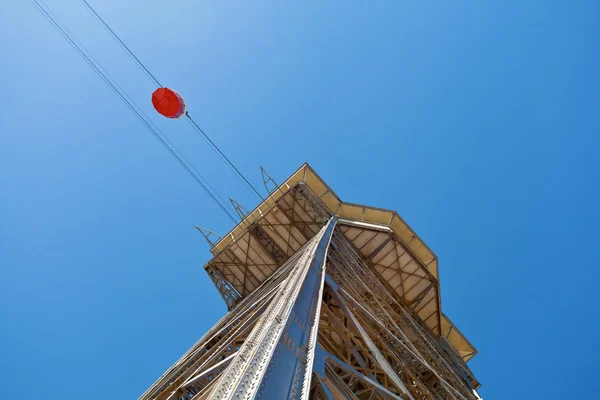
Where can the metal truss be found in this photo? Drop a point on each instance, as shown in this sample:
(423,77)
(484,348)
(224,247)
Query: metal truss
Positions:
(210,237)
(267,179)
(229,293)
(241,211)
(322,326)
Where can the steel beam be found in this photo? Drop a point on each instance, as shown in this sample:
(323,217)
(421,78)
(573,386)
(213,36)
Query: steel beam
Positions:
(275,361)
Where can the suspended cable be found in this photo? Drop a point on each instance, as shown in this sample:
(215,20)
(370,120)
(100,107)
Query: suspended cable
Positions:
(208,142)
(89,54)
(121,43)
(83,52)
(215,148)
(223,156)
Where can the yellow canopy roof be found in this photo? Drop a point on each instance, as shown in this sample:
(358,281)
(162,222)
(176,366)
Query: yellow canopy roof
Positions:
(408,267)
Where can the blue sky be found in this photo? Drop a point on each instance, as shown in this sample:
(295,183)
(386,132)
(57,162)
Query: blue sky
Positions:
(477,121)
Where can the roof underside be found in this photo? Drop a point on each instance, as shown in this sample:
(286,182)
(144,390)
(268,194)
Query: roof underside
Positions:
(296,211)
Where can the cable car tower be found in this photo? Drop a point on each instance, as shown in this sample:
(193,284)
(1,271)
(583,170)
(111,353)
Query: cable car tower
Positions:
(326,300)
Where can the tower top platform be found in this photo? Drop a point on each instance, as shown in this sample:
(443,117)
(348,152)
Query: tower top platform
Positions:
(295,212)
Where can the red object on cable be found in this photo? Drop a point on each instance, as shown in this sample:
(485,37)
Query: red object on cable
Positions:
(168,103)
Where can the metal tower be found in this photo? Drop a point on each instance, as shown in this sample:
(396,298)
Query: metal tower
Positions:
(327,300)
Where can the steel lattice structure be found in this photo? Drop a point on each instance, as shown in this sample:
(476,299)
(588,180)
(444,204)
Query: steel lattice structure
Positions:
(327,300)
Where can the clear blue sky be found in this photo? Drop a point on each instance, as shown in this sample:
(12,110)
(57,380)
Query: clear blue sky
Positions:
(478,121)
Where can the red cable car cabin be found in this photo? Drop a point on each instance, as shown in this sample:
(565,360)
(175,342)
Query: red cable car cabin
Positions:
(168,103)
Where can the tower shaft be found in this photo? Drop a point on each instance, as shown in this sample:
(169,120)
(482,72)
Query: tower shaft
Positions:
(313,315)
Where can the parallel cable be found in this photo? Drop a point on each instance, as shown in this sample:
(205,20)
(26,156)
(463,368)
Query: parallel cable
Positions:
(223,156)
(80,49)
(199,130)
